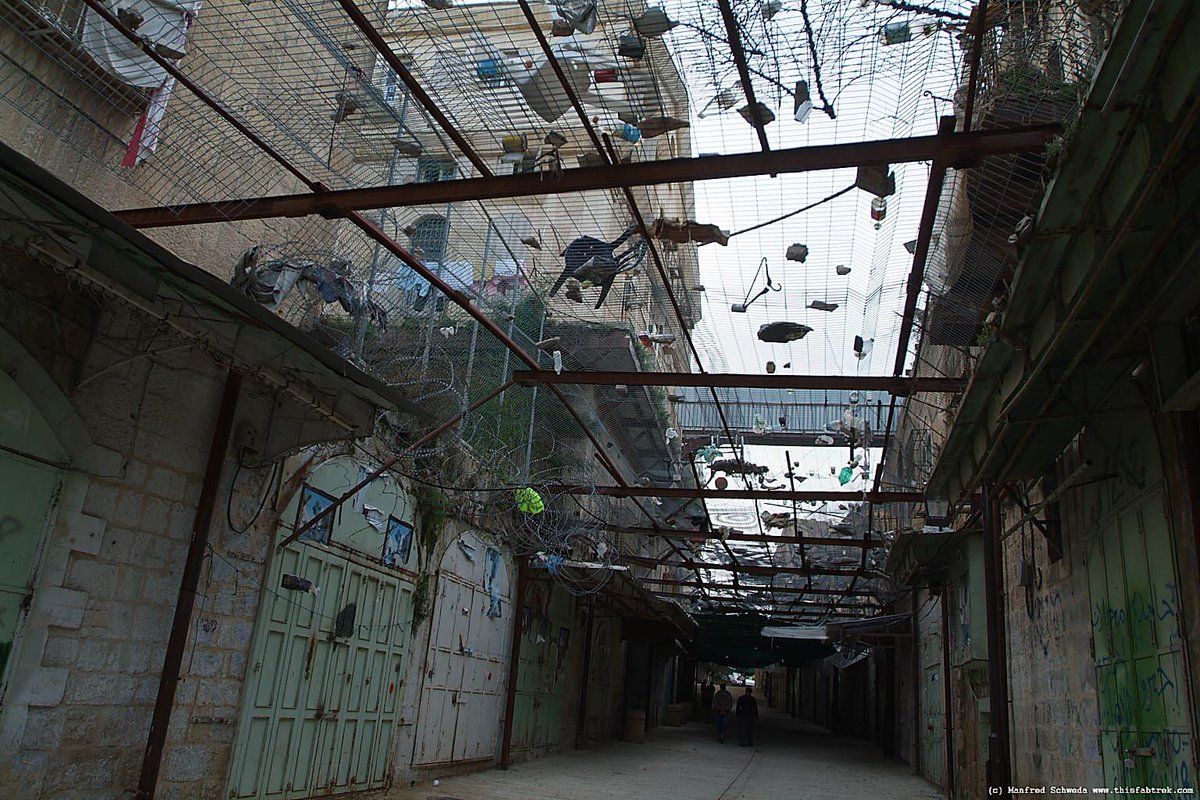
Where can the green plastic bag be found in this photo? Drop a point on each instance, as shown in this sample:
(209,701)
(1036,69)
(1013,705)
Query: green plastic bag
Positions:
(845,475)
(529,501)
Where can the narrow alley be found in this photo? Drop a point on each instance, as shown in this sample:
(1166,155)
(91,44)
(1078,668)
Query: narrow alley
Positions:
(493,399)
(791,759)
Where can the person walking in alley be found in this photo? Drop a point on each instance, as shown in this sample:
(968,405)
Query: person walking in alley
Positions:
(706,697)
(723,703)
(747,713)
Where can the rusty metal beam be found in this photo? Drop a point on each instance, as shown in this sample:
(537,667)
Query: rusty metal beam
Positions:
(933,198)
(753,588)
(815,605)
(750,569)
(739,59)
(980,22)
(885,496)
(748,537)
(958,150)
(185,601)
(381,46)
(916,276)
(799,616)
(891,385)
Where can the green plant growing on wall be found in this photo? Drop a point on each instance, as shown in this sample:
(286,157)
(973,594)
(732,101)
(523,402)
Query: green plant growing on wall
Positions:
(421,600)
(431,513)
(1025,81)
(431,510)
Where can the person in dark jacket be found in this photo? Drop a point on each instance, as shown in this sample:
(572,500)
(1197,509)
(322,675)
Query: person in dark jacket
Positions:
(747,713)
(706,696)
(723,704)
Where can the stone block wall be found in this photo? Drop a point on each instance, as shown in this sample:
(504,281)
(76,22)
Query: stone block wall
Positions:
(136,410)
(1051,675)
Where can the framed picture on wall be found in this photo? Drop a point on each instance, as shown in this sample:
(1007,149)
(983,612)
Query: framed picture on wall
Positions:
(313,502)
(398,543)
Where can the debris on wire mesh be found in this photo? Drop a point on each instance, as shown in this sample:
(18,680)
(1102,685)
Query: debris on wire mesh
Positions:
(724,100)
(737,466)
(797,252)
(770,367)
(842,269)
(878,211)
(682,232)
(548,344)
(801,102)
(825,439)
(270,282)
(439,5)
(574,291)
(631,47)
(648,339)
(862,347)
(770,8)
(529,501)
(347,104)
(778,519)
(594,262)
(579,14)
(407,147)
(765,114)
(876,179)
(783,332)
(821,305)
(447,331)
(531,241)
(652,127)
(653,22)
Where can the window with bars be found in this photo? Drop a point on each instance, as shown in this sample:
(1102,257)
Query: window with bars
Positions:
(435,170)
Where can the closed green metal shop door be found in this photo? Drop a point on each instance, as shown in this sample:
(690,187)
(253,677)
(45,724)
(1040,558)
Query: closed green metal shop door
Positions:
(29,486)
(462,697)
(320,706)
(1145,736)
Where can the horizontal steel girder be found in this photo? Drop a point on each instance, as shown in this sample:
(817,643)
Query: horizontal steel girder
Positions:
(896,386)
(672,533)
(755,588)
(957,150)
(791,605)
(739,494)
(753,569)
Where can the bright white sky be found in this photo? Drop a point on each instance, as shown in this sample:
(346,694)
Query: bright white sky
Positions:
(880,95)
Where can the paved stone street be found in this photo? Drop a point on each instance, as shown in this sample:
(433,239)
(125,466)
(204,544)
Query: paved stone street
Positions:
(791,761)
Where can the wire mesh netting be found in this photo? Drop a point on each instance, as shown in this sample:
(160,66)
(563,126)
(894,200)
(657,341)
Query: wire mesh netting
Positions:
(573,280)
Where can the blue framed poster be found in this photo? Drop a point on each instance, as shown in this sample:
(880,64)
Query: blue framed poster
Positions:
(398,543)
(313,502)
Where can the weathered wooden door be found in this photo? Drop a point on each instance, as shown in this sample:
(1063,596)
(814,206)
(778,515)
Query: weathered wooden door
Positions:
(462,698)
(320,704)
(1145,734)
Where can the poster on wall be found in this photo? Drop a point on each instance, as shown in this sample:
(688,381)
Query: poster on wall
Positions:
(398,543)
(313,502)
(491,582)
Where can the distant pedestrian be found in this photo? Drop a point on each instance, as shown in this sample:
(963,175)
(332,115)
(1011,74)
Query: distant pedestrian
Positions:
(723,703)
(747,713)
(706,696)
